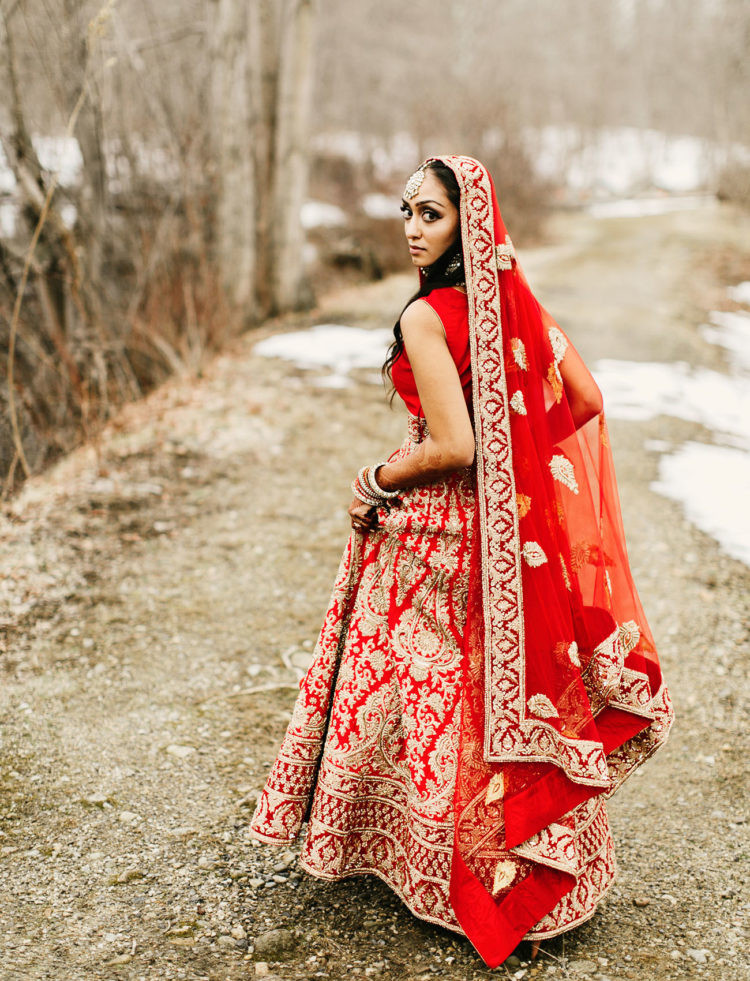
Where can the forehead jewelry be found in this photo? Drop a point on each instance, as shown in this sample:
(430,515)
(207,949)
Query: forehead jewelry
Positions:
(414,183)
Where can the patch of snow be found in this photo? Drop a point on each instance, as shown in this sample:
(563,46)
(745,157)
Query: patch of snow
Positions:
(348,144)
(732,332)
(7,177)
(68,214)
(621,160)
(657,445)
(710,481)
(332,381)
(8,213)
(309,253)
(336,347)
(711,484)
(641,390)
(740,293)
(60,155)
(319,214)
(645,207)
(380,206)
(400,154)
(397,154)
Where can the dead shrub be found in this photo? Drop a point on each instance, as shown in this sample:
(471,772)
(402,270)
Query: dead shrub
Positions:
(156,308)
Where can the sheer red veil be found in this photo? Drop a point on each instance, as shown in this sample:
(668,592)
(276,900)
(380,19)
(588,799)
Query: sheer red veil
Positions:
(563,695)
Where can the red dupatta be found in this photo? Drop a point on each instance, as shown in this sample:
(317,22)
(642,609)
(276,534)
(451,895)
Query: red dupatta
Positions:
(563,695)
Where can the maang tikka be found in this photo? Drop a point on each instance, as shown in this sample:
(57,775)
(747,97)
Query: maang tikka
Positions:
(415,182)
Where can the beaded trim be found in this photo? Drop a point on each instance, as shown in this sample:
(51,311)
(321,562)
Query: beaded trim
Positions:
(417,429)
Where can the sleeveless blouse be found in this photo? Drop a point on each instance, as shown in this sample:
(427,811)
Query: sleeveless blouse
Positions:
(451,306)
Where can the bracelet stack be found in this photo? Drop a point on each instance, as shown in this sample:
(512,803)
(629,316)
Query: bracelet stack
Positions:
(366,488)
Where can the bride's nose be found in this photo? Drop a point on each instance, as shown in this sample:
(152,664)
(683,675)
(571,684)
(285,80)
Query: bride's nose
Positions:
(412,229)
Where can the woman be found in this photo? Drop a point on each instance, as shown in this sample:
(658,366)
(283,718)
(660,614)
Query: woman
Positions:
(485,676)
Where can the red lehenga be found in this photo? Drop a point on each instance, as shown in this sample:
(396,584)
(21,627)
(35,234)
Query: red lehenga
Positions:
(485,677)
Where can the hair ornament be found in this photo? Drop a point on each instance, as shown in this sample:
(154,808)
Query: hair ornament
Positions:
(415,182)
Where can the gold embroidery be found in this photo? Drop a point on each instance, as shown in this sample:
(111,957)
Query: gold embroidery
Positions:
(502,595)
(417,428)
(583,553)
(495,790)
(524,504)
(566,577)
(563,470)
(534,554)
(542,706)
(519,353)
(505,254)
(580,554)
(505,873)
(517,403)
(630,634)
(578,904)
(559,343)
(555,380)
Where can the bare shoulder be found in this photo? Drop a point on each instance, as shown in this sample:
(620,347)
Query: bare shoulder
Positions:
(419,318)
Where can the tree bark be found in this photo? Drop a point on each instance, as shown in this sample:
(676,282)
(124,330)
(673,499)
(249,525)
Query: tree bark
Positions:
(294,99)
(231,136)
(262,69)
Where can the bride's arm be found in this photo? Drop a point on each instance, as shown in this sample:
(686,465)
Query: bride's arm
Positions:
(581,391)
(450,445)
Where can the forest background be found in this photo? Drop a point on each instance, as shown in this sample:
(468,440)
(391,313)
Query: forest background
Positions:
(172,174)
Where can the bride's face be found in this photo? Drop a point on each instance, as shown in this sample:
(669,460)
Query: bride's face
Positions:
(430,221)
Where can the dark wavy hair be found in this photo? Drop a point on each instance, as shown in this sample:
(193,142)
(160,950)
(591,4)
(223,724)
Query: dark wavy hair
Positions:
(437,275)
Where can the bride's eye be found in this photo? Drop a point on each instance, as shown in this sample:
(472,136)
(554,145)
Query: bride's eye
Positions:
(406,212)
(430,215)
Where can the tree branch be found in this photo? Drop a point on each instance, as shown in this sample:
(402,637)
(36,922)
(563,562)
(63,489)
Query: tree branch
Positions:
(44,207)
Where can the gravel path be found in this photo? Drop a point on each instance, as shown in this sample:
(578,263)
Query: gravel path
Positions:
(161,590)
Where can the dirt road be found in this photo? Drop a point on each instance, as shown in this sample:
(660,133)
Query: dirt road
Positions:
(159,592)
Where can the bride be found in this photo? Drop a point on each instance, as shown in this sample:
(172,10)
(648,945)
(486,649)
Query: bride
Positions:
(485,677)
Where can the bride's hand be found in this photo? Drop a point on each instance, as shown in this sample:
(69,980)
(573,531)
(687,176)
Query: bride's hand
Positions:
(363,517)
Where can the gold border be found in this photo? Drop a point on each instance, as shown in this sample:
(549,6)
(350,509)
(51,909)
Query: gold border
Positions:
(500,544)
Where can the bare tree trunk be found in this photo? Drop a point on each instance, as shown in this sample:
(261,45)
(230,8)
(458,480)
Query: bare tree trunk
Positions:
(231,136)
(262,66)
(265,28)
(94,189)
(294,101)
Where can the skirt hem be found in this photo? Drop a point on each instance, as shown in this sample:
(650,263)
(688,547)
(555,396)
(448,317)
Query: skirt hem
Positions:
(336,877)
(453,927)
(268,840)
(547,934)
